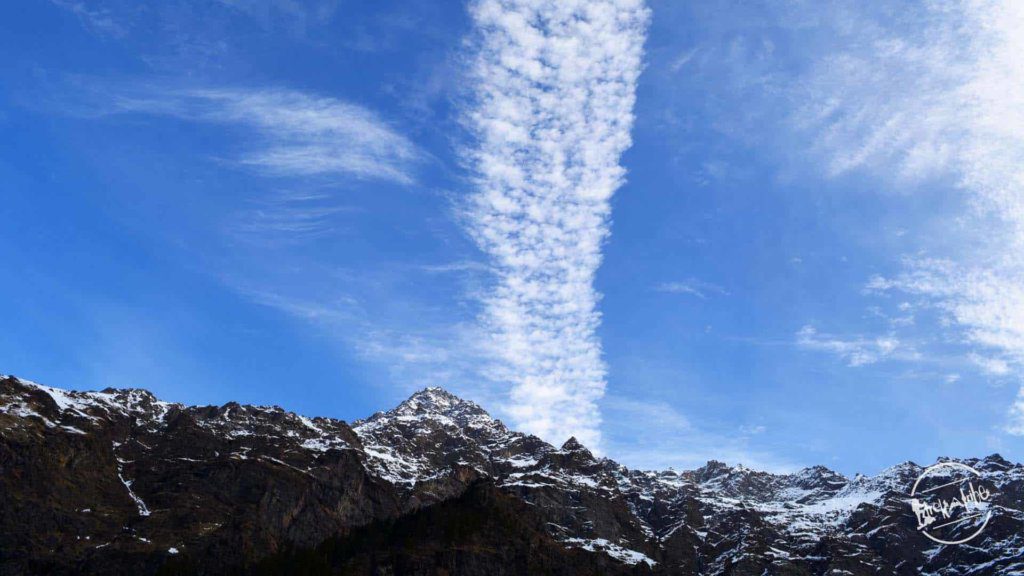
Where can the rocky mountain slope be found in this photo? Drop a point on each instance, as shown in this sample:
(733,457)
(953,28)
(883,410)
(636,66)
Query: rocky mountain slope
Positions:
(118,482)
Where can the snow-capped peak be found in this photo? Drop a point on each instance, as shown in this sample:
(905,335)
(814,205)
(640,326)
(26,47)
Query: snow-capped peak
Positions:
(572,445)
(429,433)
(436,400)
(438,407)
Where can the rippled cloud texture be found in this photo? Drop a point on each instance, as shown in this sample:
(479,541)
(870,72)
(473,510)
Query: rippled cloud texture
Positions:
(552,107)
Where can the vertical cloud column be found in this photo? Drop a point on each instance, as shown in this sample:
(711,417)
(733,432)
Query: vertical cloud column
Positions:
(554,86)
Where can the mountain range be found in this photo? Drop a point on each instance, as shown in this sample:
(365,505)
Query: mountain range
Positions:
(120,482)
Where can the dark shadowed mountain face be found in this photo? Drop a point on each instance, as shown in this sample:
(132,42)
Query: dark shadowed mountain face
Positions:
(118,482)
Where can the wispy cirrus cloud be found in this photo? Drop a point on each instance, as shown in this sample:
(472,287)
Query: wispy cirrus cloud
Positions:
(296,16)
(933,94)
(659,415)
(309,145)
(292,133)
(416,346)
(922,98)
(983,301)
(753,429)
(669,439)
(99,20)
(287,217)
(989,365)
(692,287)
(553,88)
(116,18)
(859,351)
(1015,423)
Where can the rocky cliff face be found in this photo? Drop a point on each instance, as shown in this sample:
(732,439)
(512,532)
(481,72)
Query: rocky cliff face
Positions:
(118,482)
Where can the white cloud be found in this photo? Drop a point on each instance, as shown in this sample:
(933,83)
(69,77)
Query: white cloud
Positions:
(657,415)
(987,302)
(415,348)
(340,308)
(752,429)
(461,266)
(854,351)
(1015,424)
(98,20)
(287,218)
(297,134)
(939,99)
(553,93)
(184,20)
(692,287)
(667,438)
(295,16)
(688,451)
(991,366)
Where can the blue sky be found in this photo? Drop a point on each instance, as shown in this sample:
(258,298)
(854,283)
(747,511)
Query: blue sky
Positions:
(773,233)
